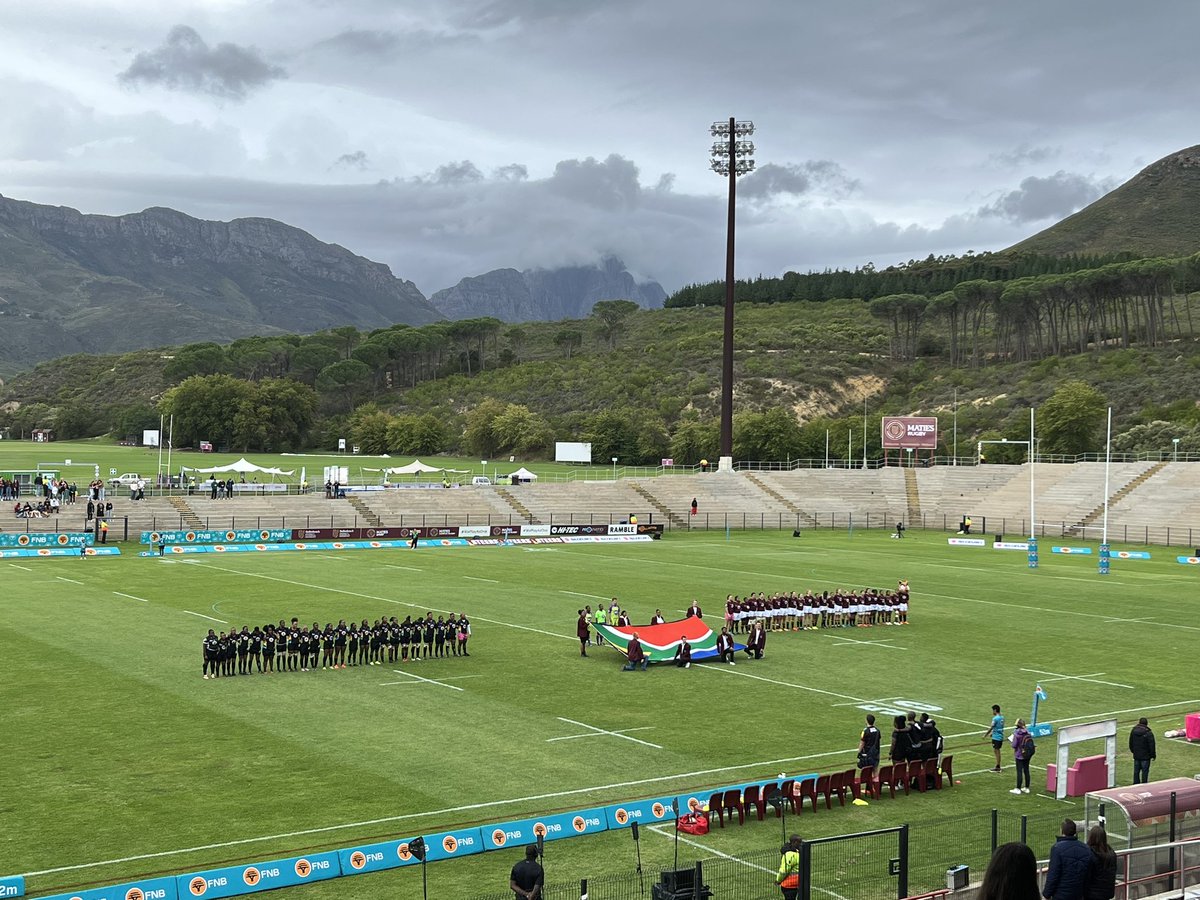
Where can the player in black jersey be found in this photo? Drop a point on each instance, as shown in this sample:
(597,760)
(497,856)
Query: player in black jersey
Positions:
(314,646)
(393,640)
(230,652)
(439,637)
(427,631)
(210,645)
(376,642)
(256,645)
(304,642)
(464,634)
(268,649)
(352,638)
(327,639)
(364,643)
(340,635)
(452,633)
(243,651)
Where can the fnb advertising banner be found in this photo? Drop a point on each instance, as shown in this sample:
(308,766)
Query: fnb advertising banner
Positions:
(149,889)
(230,536)
(48,539)
(644,812)
(236,880)
(902,432)
(550,828)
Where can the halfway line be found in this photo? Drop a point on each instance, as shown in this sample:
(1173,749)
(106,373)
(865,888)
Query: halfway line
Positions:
(609,733)
(131,597)
(452,687)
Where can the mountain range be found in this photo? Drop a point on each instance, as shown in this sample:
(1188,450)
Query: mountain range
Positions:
(72,282)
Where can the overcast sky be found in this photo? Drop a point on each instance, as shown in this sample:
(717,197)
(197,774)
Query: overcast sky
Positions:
(450,137)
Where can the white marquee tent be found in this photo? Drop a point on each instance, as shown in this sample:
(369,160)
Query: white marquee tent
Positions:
(243,466)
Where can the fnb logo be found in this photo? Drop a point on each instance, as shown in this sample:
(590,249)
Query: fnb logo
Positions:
(621,815)
(303,868)
(251,876)
(658,810)
(404,853)
(499,837)
(449,843)
(135,893)
(579,823)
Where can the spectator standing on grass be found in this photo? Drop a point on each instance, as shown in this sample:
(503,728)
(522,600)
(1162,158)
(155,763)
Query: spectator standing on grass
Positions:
(788,877)
(1022,744)
(1141,745)
(901,741)
(1011,874)
(694,611)
(527,877)
(868,745)
(996,733)
(1070,866)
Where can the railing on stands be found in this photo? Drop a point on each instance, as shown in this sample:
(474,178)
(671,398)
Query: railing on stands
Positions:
(1166,869)
(985,526)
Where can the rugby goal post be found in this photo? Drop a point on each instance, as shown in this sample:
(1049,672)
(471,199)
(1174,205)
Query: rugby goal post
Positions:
(1088,731)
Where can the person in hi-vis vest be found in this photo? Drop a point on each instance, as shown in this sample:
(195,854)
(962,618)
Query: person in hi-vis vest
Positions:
(788,878)
(601,615)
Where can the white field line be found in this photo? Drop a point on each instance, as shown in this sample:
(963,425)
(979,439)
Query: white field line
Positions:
(847,642)
(452,687)
(333,590)
(1088,678)
(22,568)
(405,568)
(615,734)
(590,596)
(331,556)
(71,580)
(131,597)
(769,765)
(572,737)
(203,616)
(417,683)
(803,687)
(476,578)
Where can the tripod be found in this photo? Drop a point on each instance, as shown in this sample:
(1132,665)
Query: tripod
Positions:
(638,847)
(418,849)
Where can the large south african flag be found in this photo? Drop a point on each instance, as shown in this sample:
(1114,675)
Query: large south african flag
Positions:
(660,641)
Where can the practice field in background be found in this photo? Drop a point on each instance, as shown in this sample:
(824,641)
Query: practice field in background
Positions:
(120,760)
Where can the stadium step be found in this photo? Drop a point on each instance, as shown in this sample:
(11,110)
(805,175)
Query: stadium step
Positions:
(363,510)
(1123,492)
(186,514)
(517,505)
(913,493)
(663,509)
(779,498)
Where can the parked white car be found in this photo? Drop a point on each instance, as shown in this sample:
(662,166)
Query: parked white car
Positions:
(128,479)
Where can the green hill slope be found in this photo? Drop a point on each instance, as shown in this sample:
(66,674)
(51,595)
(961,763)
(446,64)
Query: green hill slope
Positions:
(1156,213)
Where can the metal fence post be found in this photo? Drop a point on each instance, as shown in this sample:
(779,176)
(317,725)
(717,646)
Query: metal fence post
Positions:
(1025,828)
(698,882)
(805,871)
(1171,837)
(583,889)
(902,880)
(995,829)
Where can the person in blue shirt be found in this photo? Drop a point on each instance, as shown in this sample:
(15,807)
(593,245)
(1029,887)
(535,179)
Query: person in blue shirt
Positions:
(995,731)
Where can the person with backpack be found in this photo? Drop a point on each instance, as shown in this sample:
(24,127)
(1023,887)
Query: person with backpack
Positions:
(1023,750)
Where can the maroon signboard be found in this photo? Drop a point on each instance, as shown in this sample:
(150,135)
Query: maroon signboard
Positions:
(915,432)
(371,534)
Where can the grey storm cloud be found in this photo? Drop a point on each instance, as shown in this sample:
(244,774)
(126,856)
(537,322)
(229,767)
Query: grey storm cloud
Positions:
(513,172)
(611,184)
(185,62)
(1052,197)
(355,160)
(773,179)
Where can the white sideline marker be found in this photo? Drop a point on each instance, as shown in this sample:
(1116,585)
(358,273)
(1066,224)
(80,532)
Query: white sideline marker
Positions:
(405,568)
(474,578)
(885,643)
(417,683)
(22,568)
(589,596)
(71,580)
(571,737)
(452,687)
(802,687)
(131,597)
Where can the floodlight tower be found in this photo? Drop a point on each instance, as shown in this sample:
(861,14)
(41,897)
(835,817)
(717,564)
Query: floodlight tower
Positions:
(732,155)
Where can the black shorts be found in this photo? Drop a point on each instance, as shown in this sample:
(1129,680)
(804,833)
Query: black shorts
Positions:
(997,744)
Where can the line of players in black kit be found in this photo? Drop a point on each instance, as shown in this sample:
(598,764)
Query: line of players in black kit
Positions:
(294,647)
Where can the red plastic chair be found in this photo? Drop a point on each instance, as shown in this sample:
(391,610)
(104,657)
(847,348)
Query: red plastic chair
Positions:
(807,790)
(929,778)
(788,789)
(899,778)
(714,806)
(865,782)
(883,777)
(848,783)
(733,801)
(752,798)
(947,770)
(826,785)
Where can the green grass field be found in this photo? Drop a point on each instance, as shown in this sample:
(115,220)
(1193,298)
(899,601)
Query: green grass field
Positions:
(120,760)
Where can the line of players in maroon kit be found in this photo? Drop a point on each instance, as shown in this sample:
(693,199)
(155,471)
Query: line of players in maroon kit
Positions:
(810,611)
(294,647)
